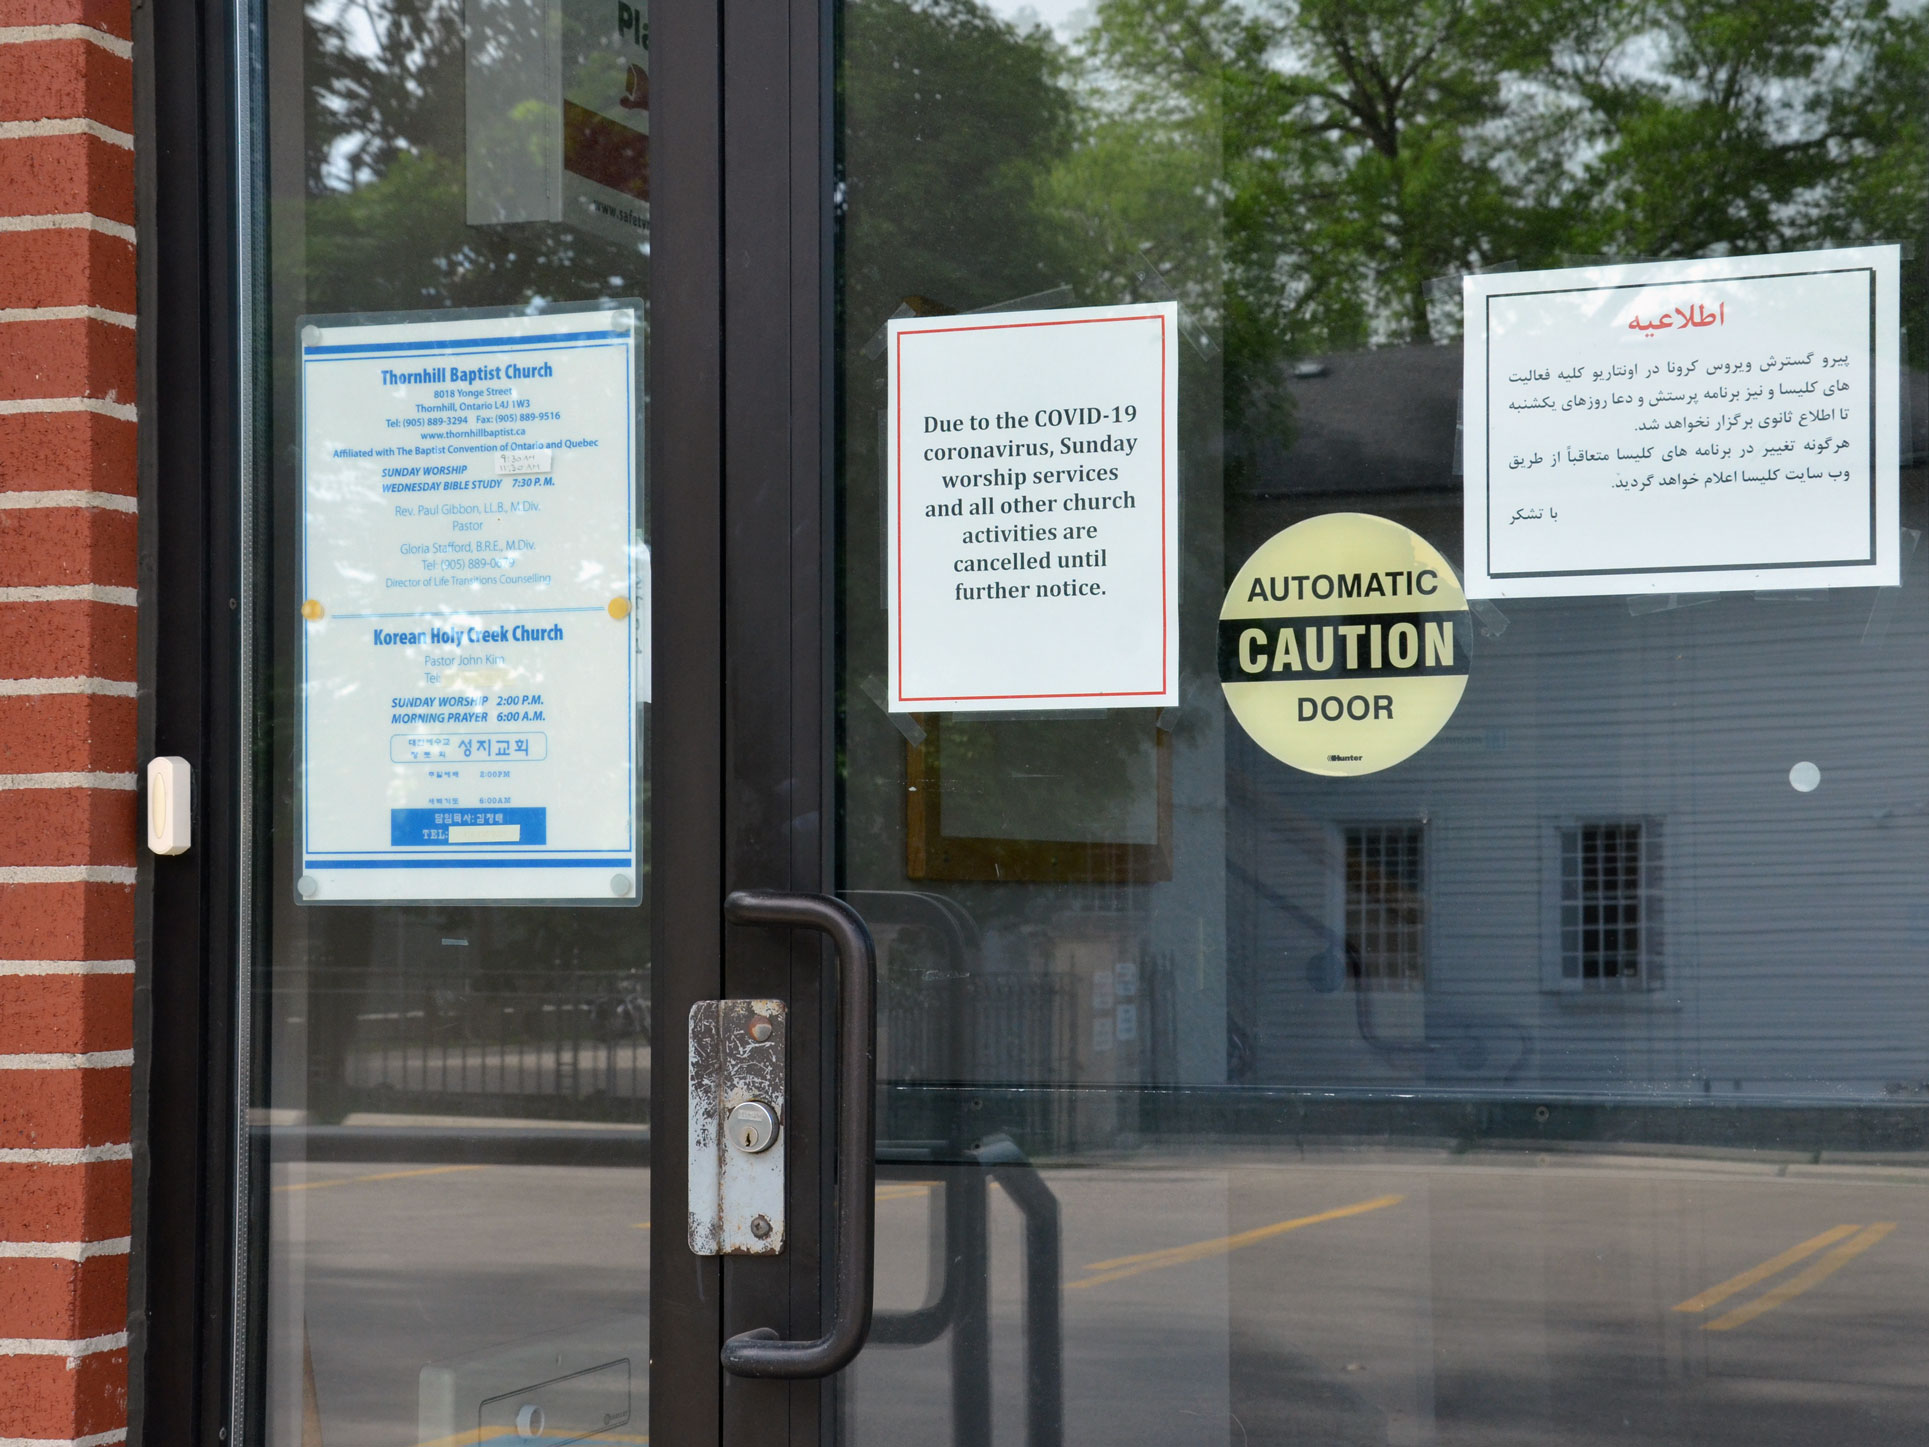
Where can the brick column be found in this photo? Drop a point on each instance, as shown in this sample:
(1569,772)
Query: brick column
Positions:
(67,726)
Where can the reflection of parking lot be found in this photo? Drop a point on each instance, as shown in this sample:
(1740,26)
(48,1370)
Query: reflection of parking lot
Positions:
(1358,1298)
(412,1264)
(1464,1299)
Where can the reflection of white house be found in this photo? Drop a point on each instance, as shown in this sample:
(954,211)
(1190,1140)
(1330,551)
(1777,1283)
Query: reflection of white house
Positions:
(1599,877)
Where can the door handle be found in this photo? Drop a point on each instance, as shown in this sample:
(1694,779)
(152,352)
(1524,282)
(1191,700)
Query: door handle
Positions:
(762,1353)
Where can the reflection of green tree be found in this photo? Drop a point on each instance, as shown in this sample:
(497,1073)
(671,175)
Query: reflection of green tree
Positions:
(385,216)
(1299,170)
(1705,125)
(952,119)
(384,77)
(1367,147)
(1880,141)
(1339,137)
(402,242)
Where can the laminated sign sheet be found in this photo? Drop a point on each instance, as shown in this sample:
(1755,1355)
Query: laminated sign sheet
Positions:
(1684,426)
(470,584)
(1032,513)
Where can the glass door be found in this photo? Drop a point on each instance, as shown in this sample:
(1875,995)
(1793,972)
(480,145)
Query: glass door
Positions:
(1379,701)
(451,1050)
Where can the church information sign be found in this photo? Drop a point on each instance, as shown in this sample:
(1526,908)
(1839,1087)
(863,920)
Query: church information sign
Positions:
(1032,513)
(1684,426)
(469,584)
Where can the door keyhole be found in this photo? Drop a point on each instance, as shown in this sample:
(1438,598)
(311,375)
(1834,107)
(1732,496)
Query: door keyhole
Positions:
(751,1127)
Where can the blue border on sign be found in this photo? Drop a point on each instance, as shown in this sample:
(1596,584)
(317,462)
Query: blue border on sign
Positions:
(556,856)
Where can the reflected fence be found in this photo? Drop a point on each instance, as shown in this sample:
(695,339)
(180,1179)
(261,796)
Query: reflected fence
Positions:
(1023,1029)
(575,1044)
(570,1045)
(980,1028)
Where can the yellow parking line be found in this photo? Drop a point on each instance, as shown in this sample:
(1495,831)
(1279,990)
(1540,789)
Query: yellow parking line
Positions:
(1795,1285)
(641,1225)
(1120,1267)
(383,1176)
(1716,1295)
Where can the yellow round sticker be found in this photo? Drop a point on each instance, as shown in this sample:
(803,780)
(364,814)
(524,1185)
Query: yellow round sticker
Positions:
(1343,644)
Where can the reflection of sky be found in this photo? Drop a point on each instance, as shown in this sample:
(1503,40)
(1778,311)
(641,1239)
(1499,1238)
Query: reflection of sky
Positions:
(1065,17)
(355,24)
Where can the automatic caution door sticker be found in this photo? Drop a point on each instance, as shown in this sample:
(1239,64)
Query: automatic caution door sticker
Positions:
(1343,644)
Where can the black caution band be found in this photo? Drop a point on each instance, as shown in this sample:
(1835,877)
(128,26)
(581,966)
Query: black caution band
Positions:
(1363,645)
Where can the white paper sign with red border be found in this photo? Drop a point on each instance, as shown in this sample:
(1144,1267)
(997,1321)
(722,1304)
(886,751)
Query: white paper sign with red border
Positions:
(1032,510)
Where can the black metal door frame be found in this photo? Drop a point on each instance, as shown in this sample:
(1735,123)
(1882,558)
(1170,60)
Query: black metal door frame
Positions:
(740,349)
(775,785)
(686,372)
(181,1276)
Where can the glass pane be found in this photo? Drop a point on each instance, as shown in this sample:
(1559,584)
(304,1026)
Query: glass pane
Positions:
(451,1076)
(1564,1078)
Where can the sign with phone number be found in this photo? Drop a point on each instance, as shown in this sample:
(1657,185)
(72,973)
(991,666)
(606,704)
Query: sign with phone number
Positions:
(470,631)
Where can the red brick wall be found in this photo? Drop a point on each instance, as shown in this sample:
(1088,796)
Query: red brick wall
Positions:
(67,816)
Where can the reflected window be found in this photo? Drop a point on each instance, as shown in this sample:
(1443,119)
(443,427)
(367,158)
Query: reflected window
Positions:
(1386,906)
(1610,905)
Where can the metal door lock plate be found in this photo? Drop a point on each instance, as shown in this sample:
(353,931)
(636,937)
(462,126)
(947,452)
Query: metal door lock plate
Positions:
(737,1060)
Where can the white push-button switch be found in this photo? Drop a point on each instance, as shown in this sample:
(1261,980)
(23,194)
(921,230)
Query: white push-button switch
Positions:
(169,805)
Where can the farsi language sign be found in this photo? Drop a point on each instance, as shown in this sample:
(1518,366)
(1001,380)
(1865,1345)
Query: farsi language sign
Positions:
(1691,426)
(1032,514)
